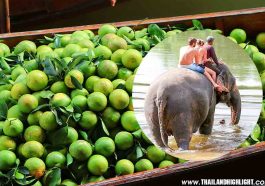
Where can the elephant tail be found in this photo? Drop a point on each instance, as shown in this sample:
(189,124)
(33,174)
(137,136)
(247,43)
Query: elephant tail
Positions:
(163,123)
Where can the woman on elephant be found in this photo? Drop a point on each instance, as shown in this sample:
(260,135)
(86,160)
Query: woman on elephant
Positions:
(189,58)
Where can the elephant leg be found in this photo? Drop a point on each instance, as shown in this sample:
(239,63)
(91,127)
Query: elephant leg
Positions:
(182,130)
(207,126)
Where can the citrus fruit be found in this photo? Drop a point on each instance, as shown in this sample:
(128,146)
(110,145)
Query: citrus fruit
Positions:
(119,99)
(95,179)
(34,133)
(65,40)
(18,90)
(246,143)
(44,48)
(124,140)
(90,83)
(18,70)
(77,92)
(39,96)
(71,137)
(117,82)
(165,163)
(32,149)
(155,154)
(33,118)
(5,95)
(80,102)
(59,52)
(143,165)
(105,146)
(59,87)
(7,159)
(171,158)
(37,80)
(80,150)
(124,73)
(90,33)
(259,60)
(129,83)
(263,80)
(130,106)
(55,159)
(126,31)
(35,166)
(87,69)
(124,167)
(107,69)
(5,49)
(88,120)
(47,121)
(25,45)
(251,49)
(104,86)
(70,49)
(107,38)
(103,51)
(239,35)
(243,45)
(7,143)
(86,43)
(31,65)
(14,112)
(97,165)
(111,117)
(117,55)
(77,75)
(106,29)
(131,59)
(60,100)
(13,127)
(116,43)
(27,103)
(96,101)
(260,40)
(68,182)
(129,122)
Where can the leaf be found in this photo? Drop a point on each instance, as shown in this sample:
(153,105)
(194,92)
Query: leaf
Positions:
(256,133)
(23,170)
(121,86)
(77,116)
(104,128)
(155,30)
(49,67)
(54,177)
(137,134)
(3,109)
(76,83)
(17,162)
(40,107)
(83,134)
(57,42)
(58,119)
(47,94)
(197,24)
(69,108)
(69,159)
(139,152)
(19,176)
(48,39)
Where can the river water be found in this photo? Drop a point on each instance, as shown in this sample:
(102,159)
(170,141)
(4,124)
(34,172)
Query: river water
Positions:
(225,137)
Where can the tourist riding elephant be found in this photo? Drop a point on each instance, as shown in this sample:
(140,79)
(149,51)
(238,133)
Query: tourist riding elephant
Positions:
(181,101)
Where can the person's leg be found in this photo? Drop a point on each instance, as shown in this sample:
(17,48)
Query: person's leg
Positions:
(211,72)
(216,86)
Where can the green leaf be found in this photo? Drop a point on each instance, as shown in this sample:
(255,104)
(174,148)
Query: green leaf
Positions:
(137,134)
(155,30)
(49,67)
(83,134)
(23,170)
(197,24)
(47,94)
(139,152)
(77,116)
(121,86)
(57,42)
(48,39)
(40,107)
(17,162)
(19,176)
(76,83)
(69,108)
(54,177)
(69,159)
(58,119)
(256,133)
(104,128)
(3,109)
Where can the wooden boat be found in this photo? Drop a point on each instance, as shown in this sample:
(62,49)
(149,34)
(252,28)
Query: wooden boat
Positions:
(251,20)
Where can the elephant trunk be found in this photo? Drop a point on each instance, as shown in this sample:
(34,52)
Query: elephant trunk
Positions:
(235,105)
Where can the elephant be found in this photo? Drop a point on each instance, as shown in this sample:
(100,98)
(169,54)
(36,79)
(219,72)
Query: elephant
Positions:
(181,101)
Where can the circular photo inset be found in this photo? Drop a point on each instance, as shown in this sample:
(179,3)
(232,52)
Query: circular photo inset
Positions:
(197,95)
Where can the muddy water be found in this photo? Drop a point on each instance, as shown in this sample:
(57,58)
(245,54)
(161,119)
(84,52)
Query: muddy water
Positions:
(225,137)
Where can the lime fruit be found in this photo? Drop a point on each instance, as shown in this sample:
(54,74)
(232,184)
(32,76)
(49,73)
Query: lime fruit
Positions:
(55,159)
(260,40)
(119,99)
(70,49)
(117,56)
(5,49)
(165,163)
(104,86)
(106,29)
(60,100)
(80,102)
(124,73)
(89,85)
(27,103)
(259,60)
(27,46)
(7,143)
(34,133)
(97,165)
(239,35)
(77,92)
(65,40)
(69,182)
(124,140)
(118,82)
(131,59)
(13,127)
(7,159)
(59,87)
(81,150)
(14,112)
(31,65)
(77,75)
(103,51)
(17,71)
(129,122)
(36,167)
(126,31)
(124,167)
(129,83)
(143,165)
(18,90)
(37,80)
(111,117)
(88,120)
(96,101)
(33,118)
(155,154)
(47,121)
(107,69)
(105,146)
(32,149)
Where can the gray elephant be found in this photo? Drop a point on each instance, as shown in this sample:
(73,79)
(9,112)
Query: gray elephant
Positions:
(180,102)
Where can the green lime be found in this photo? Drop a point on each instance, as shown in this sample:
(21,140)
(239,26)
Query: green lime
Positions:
(117,56)
(105,146)
(155,154)
(80,102)
(7,159)
(124,140)
(119,99)
(111,117)
(106,29)
(13,127)
(77,75)
(260,40)
(33,118)
(124,167)
(36,167)
(77,92)
(96,101)
(55,159)
(48,121)
(97,165)
(18,90)
(103,51)
(117,82)
(107,69)
(88,120)
(7,143)
(126,31)
(60,100)
(104,86)
(32,149)
(239,35)
(129,122)
(89,85)
(34,133)
(131,59)
(129,83)
(124,73)
(59,87)
(37,80)
(165,163)
(25,45)
(27,103)
(143,165)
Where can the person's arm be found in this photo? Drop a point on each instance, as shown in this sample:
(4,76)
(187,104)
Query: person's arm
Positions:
(213,55)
